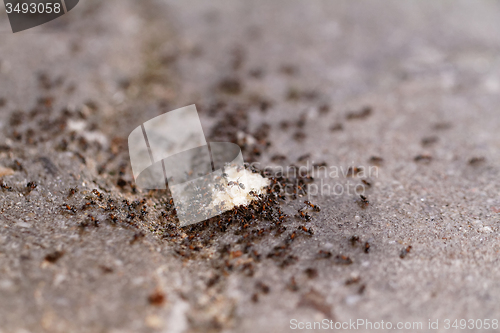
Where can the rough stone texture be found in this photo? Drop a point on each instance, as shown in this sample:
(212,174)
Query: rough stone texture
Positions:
(415,83)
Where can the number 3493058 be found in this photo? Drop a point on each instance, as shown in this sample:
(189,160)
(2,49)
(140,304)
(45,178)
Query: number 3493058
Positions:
(34,8)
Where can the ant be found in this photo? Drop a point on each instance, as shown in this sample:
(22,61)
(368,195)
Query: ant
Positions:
(237,183)
(72,191)
(96,192)
(306,216)
(367,183)
(5,186)
(353,171)
(323,254)
(367,247)
(405,251)
(316,208)
(354,239)
(292,285)
(309,231)
(364,199)
(93,220)
(69,208)
(364,202)
(30,187)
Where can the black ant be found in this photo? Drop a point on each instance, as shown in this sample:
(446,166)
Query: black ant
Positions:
(30,187)
(354,239)
(364,199)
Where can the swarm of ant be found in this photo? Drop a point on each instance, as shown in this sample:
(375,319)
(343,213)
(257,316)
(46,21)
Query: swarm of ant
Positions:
(264,205)
(230,241)
(258,218)
(261,217)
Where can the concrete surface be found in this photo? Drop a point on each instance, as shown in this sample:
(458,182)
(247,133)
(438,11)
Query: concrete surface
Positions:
(416,84)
